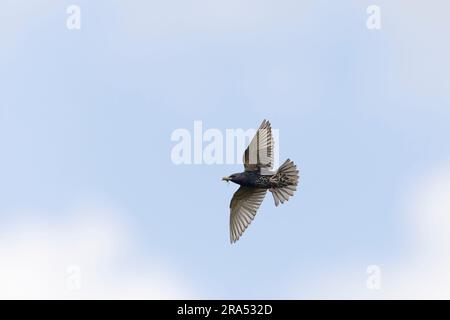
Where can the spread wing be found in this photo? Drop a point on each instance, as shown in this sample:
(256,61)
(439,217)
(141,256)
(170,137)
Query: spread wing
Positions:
(243,207)
(259,153)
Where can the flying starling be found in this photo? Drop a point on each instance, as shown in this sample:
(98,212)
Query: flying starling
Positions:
(257,179)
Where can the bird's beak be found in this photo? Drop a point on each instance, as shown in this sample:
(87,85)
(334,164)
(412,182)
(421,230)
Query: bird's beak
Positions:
(226,179)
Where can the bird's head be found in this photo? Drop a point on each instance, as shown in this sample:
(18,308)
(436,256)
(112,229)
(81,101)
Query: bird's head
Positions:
(235,177)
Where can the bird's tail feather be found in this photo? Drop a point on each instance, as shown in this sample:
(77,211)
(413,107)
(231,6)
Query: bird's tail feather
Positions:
(287,178)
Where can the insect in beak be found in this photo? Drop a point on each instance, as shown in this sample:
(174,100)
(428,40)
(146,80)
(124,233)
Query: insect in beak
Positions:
(227,179)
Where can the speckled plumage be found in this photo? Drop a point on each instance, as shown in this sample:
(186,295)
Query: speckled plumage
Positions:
(256,180)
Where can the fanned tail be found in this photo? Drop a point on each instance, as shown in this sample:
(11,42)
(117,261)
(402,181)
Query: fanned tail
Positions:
(286,180)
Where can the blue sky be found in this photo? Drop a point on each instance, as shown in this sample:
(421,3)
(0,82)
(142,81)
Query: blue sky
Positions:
(86,119)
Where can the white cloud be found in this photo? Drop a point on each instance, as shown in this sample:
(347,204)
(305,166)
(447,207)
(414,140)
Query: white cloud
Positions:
(421,271)
(42,260)
(431,211)
(426,273)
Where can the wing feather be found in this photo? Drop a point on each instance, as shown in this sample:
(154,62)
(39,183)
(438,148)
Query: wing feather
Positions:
(259,153)
(243,206)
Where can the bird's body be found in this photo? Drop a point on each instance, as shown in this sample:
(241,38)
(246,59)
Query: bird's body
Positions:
(257,179)
(252,179)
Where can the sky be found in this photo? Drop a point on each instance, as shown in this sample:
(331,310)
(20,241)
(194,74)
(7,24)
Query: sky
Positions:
(92,205)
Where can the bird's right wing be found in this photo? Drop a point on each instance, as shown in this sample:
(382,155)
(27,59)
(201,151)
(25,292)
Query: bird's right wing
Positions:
(243,207)
(259,153)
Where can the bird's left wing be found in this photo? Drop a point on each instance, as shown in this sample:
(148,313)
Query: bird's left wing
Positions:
(243,207)
(259,153)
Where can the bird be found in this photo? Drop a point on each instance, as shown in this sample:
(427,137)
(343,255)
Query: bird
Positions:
(257,178)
